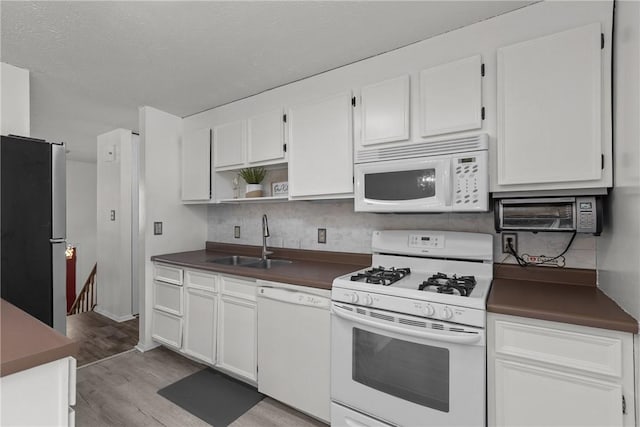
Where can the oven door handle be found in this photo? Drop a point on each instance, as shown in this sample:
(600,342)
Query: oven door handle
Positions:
(455,337)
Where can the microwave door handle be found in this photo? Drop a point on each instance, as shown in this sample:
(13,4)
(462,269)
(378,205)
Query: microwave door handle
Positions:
(456,338)
(446,183)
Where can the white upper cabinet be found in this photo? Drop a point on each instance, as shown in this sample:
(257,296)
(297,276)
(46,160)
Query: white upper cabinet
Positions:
(321,148)
(229,142)
(266,138)
(549,111)
(196,165)
(451,97)
(383,112)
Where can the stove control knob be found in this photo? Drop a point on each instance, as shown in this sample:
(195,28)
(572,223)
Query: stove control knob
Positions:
(367,300)
(429,310)
(447,313)
(352,297)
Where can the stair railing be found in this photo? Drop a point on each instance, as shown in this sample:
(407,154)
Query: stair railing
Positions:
(87,298)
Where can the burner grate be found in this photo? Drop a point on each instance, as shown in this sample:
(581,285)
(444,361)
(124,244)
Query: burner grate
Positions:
(381,276)
(443,284)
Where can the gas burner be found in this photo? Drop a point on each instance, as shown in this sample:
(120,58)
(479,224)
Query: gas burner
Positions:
(454,285)
(381,276)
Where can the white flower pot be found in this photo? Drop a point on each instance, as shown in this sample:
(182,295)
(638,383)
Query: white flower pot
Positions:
(253,190)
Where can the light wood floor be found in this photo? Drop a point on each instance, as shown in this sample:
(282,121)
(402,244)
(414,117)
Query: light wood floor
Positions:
(122,391)
(99,336)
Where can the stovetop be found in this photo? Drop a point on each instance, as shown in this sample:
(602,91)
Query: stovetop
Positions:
(437,274)
(421,285)
(439,282)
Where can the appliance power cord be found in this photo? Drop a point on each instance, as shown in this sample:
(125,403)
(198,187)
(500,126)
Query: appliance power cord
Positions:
(523,263)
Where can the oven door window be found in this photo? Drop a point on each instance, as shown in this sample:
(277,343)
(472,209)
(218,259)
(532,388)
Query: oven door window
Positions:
(400,185)
(413,372)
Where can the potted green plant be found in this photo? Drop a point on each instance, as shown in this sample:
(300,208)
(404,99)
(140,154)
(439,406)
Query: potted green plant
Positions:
(253,177)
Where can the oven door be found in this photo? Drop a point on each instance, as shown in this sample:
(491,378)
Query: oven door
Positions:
(408,185)
(407,375)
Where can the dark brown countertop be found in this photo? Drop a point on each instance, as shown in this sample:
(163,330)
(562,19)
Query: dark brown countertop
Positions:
(559,295)
(26,342)
(309,268)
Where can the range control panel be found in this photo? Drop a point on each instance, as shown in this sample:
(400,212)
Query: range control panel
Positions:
(427,309)
(433,241)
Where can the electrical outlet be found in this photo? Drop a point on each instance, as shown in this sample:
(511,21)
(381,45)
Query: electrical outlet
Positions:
(112,215)
(236,231)
(157,228)
(322,235)
(506,237)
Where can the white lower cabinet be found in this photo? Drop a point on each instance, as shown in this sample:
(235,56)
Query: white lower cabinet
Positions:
(237,329)
(200,325)
(209,317)
(40,396)
(543,373)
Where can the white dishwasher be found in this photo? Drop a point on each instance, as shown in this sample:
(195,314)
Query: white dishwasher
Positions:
(294,346)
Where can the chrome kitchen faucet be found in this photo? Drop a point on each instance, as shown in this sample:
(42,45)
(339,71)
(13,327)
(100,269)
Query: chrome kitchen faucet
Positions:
(265,234)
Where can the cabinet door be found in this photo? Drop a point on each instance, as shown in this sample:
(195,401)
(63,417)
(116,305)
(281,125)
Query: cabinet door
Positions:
(266,138)
(321,154)
(549,109)
(532,396)
(237,348)
(196,165)
(384,112)
(229,144)
(166,328)
(200,325)
(451,97)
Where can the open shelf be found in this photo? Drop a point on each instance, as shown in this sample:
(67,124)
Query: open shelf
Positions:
(255,199)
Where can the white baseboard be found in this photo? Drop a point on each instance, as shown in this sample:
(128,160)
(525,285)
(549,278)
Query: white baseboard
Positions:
(141,347)
(112,316)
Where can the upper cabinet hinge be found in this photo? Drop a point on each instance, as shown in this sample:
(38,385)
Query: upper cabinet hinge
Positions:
(482,70)
(353,101)
(624,405)
(353,179)
(284,147)
(601,40)
(482,113)
(602,161)
(284,118)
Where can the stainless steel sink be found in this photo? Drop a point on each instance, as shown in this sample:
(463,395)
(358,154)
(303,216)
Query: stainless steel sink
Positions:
(268,263)
(236,260)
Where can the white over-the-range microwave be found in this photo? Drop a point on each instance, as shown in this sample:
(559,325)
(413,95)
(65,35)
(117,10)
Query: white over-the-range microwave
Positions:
(442,176)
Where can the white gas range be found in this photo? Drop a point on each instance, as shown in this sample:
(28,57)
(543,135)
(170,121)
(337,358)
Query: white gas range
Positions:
(408,339)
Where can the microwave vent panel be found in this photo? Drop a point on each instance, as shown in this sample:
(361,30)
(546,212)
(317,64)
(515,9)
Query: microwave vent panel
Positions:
(424,149)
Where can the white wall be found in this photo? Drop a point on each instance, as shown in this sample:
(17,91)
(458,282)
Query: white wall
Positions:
(184,226)
(15,116)
(114,237)
(619,247)
(81,216)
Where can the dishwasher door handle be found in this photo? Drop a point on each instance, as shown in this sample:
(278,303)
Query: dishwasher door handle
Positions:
(294,297)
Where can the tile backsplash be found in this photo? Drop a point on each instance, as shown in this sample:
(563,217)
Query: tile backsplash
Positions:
(295,225)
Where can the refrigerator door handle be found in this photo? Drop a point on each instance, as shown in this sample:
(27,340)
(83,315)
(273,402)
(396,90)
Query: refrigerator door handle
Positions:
(57,241)
(58,191)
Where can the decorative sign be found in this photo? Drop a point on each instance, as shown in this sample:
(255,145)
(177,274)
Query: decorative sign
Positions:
(280,188)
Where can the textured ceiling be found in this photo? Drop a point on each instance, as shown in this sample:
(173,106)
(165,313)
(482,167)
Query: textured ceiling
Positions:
(93,63)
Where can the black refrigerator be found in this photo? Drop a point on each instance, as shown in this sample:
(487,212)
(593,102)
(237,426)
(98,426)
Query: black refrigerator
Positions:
(33,227)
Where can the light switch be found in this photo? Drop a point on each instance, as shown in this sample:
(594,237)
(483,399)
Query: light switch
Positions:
(236,231)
